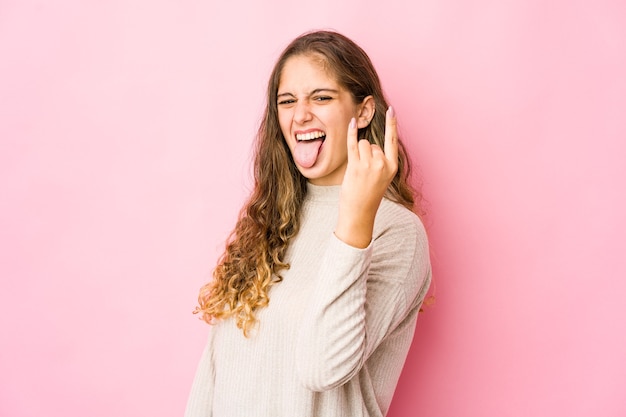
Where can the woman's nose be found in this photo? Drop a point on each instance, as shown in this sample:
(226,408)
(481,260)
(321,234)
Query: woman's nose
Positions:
(303,112)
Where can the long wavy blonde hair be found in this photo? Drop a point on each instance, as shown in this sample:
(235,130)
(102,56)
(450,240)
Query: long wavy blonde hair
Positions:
(254,254)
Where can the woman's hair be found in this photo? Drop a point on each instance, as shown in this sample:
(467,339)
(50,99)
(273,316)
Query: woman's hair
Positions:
(255,250)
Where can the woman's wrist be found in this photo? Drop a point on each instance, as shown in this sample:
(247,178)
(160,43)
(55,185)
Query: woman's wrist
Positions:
(355,231)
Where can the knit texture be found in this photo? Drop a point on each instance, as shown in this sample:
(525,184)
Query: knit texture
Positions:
(334,338)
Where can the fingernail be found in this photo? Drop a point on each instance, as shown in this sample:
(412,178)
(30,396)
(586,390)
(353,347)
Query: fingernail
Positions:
(392,112)
(352,123)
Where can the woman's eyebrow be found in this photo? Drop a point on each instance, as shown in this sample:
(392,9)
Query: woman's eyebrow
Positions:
(320,90)
(316,91)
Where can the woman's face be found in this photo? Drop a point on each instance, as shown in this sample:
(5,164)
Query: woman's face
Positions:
(314,112)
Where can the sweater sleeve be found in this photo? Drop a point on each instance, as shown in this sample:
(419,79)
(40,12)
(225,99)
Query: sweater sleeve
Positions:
(199,403)
(360,297)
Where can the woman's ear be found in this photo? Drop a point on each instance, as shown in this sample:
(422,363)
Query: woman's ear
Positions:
(366,112)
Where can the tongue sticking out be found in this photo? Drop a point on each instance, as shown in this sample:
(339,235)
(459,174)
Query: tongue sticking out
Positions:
(305,152)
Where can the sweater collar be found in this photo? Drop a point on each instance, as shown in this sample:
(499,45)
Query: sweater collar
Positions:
(323,192)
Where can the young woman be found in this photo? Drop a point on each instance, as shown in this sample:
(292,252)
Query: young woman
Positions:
(314,301)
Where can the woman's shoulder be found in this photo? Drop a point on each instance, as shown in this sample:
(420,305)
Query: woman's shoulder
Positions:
(400,233)
(395,218)
(401,250)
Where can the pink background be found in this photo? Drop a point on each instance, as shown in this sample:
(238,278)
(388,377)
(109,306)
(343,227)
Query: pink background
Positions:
(126,129)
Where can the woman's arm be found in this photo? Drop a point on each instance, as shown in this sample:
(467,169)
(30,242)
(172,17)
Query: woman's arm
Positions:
(360,298)
(200,401)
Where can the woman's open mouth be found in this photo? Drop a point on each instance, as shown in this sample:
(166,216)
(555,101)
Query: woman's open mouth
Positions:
(308,147)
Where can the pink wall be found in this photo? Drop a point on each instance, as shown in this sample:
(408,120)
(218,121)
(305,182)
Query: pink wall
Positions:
(125,135)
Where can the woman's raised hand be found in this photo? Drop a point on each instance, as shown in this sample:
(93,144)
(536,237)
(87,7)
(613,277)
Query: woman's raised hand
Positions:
(369,172)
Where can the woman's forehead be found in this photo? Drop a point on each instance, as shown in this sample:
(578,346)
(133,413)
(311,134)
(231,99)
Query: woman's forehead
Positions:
(300,70)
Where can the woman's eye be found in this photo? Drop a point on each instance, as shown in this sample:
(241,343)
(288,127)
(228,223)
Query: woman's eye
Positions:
(287,101)
(323,98)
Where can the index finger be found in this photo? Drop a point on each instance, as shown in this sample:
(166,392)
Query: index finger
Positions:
(391,136)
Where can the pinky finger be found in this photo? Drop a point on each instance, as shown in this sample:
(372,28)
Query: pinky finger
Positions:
(353,142)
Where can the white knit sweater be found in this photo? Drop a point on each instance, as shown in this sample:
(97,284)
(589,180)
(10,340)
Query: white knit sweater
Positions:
(334,338)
